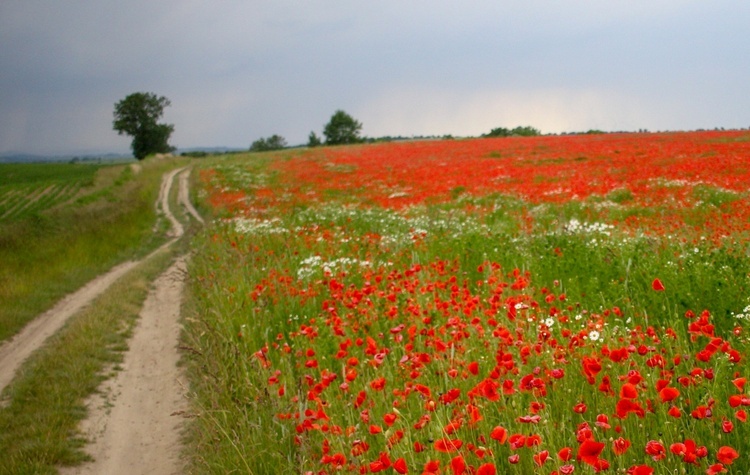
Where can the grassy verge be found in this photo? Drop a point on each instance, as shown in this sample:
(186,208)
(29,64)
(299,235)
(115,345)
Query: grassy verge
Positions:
(46,400)
(48,253)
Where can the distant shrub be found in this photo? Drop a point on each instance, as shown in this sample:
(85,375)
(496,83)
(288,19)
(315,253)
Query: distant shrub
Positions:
(274,142)
(520,131)
(342,129)
(313,140)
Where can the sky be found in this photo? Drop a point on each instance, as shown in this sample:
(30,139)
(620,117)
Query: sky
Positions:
(236,71)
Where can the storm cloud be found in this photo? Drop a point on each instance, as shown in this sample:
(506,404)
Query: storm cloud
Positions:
(236,71)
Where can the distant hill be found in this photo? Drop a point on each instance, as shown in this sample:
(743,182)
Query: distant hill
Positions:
(19,157)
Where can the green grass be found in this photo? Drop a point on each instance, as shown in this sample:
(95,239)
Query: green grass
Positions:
(45,403)
(258,286)
(50,252)
(26,189)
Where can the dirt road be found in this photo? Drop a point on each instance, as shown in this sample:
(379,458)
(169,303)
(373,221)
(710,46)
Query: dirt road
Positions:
(138,435)
(16,350)
(129,422)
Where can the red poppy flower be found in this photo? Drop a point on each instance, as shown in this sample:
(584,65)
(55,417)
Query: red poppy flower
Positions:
(565,454)
(620,446)
(475,415)
(359,447)
(626,406)
(517,441)
(606,386)
(499,434)
(458,465)
(447,445)
(668,394)
(541,457)
(628,391)
(432,466)
(453,426)
(656,450)
(688,451)
(727,426)
(533,440)
(591,367)
(390,418)
(657,285)
(473,368)
(726,455)
(378,384)
(487,469)
(400,466)
(589,451)
(567,469)
(640,470)
(603,421)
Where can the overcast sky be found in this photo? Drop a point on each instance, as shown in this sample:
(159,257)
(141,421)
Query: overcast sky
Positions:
(237,70)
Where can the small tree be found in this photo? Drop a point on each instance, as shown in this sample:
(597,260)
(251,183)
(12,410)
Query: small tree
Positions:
(313,140)
(274,142)
(342,129)
(522,131)
(137,115)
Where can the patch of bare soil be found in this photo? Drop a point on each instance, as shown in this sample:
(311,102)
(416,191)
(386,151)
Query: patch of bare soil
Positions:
(130,421)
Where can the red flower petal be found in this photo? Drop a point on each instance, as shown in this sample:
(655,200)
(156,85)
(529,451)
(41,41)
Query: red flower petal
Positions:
(726,455)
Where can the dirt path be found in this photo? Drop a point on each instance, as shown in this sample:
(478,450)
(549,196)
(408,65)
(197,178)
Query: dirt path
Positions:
(130,423)
(131,420)
(14,352)
(184,196)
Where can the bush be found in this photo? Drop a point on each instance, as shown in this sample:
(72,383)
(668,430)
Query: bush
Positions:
(274,142)
(521,131)
(313,140)
(342,129)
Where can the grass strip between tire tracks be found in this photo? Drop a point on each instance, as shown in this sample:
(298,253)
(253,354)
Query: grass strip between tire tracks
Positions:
(45,403)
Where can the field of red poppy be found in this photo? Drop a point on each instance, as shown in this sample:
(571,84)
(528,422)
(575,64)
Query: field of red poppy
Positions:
(555,304)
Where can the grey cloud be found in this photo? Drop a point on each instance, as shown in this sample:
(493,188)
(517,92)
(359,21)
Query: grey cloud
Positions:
(238,70)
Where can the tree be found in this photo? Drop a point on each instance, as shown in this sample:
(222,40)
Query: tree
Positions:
(313,140)
(137,115)
(274,142)
(342,129)
(521,131)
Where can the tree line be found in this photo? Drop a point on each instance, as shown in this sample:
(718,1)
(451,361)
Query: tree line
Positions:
(138,115)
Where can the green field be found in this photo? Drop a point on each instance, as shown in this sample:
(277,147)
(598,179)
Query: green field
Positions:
(63,224)
(26,189)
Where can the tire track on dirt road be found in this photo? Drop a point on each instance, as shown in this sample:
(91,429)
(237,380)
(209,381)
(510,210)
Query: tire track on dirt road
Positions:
(16,350)
(131,420)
